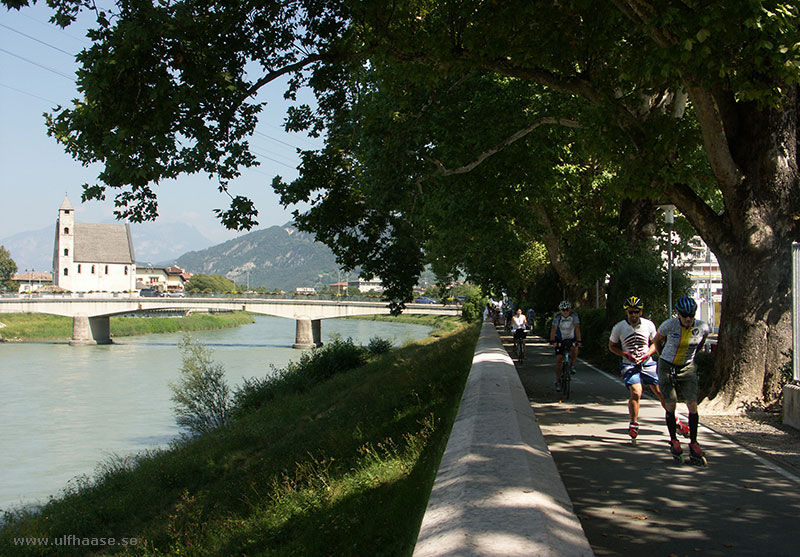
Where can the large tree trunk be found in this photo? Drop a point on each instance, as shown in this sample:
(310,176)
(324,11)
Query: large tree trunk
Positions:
(753,152)
(755,329)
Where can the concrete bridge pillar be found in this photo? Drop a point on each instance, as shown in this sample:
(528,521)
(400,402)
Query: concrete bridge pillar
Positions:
(90,330)
(304,337)
(316,332)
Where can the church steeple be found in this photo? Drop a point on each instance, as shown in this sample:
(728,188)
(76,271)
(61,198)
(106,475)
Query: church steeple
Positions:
(65,205)
(64,252)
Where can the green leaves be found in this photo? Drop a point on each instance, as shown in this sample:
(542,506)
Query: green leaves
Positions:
(7,268)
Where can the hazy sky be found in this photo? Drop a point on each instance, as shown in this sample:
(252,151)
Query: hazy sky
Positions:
(37,73)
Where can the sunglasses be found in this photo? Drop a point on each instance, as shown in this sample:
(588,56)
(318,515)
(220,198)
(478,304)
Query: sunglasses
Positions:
(685,315)
(634,311)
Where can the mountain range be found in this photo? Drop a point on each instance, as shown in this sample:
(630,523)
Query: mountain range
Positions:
(277,257)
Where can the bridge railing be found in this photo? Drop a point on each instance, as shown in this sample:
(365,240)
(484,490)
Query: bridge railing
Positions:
(199,295)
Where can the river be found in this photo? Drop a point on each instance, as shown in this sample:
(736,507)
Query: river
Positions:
(64,409)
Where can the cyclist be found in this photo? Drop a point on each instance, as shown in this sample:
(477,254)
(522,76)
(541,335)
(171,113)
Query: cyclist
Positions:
(678,340)
(531,317)
(633,339)
(519,326)
(508,315)
(566,335)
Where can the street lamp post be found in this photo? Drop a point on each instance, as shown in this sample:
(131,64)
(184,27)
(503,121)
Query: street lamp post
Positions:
(669,220)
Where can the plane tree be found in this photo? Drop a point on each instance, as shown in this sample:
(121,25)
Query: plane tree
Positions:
(170,88)
(664,78)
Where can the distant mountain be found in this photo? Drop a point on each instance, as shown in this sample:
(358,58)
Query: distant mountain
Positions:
(32,250)
(153,242)
(276,257)
(162,243)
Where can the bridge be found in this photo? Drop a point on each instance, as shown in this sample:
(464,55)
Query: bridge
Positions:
(90,315)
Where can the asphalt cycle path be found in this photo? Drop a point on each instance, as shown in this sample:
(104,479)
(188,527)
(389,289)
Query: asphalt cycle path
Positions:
(636,500)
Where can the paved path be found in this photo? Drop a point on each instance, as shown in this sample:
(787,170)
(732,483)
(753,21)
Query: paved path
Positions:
(636,500)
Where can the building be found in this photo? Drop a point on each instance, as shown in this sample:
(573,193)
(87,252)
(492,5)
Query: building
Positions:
(706,278)
(162,279)
(89,257)
(374,285)
(32,281)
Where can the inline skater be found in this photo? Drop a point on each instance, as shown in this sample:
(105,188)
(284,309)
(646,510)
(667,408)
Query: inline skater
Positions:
(519,326)
(633,340)
(678,340)
(566,335)
(531,318)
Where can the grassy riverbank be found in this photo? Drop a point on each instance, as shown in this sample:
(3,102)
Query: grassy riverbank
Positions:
(439,323)
(343,467)
(38,326)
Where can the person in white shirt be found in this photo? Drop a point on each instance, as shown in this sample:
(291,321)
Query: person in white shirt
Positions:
(633,339)
(519,328)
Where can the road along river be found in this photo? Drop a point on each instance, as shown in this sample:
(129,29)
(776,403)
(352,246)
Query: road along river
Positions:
(64,409)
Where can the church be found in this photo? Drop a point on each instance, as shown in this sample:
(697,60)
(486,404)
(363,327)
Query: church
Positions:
(90,257)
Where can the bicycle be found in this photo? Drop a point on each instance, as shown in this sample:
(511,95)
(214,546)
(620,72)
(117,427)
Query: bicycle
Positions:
(519,343)
(566,373)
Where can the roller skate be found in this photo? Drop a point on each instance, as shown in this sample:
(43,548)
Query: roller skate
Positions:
(681,427)
(633,431)
(696,455)
(677,452)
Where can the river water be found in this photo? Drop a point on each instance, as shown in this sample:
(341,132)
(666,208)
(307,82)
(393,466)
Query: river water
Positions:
(64,409)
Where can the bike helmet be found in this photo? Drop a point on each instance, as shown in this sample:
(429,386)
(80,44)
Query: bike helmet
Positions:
(565,305)
(634,302)
(686,307)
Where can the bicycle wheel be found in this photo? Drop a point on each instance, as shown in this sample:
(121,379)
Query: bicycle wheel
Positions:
(565,379)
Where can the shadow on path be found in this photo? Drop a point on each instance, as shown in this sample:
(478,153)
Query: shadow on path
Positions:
(637,500)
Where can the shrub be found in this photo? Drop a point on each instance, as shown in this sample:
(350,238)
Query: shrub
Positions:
(787,368)
(314,366)
(201,395)
(472,309)
(378,346)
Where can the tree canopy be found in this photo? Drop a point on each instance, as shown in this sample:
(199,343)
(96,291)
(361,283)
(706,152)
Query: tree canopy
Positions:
(7,268)
(210,283)
(476,133)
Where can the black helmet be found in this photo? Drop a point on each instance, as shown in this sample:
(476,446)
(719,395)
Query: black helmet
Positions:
(686,306)
(634,302)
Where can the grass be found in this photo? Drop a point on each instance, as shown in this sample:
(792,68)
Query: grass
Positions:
(439,323)
(39,326)
(341,468)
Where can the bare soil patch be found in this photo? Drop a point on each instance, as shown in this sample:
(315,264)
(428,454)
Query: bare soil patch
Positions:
(761,431)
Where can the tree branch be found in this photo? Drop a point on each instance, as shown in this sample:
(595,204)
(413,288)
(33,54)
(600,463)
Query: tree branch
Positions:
(441,170)
(271,76)
(575,86)
(715,141)
(711,226)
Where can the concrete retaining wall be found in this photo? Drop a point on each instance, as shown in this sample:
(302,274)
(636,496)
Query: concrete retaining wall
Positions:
(497,491)
(791,405)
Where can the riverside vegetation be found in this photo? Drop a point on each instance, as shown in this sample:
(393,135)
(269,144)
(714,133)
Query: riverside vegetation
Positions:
(39,326)
(332,455)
